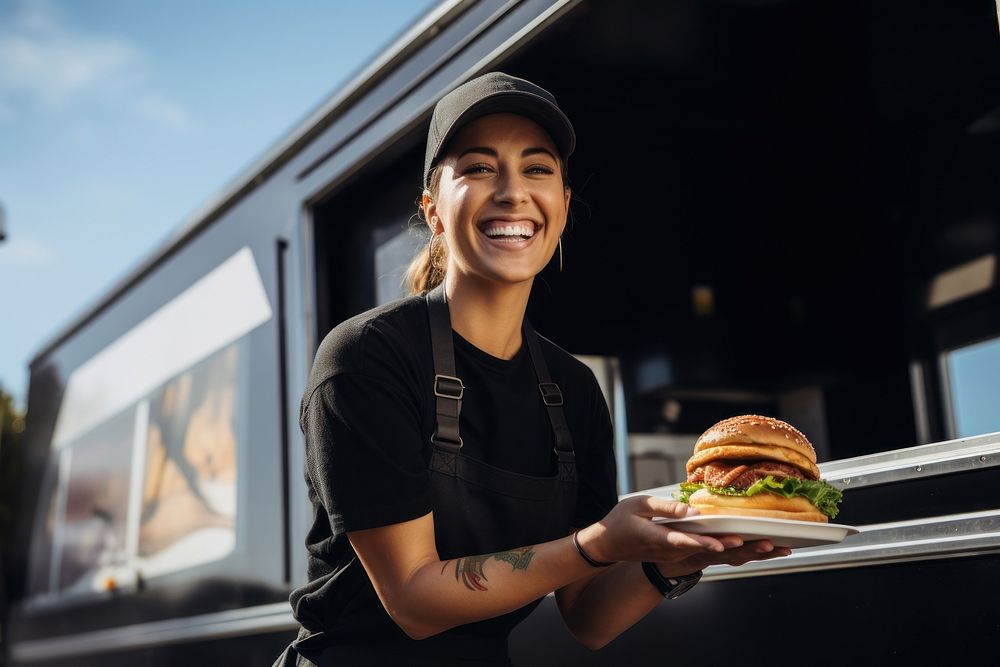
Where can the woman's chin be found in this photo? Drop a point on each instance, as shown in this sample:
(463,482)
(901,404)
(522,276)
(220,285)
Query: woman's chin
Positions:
(502,273)
(513,277)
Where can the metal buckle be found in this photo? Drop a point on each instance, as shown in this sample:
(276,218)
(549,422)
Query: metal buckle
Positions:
(442,391)
(551,395)
(565,455)
(447,444)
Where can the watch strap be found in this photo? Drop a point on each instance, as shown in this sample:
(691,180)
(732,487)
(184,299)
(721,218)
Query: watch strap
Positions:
(670,587)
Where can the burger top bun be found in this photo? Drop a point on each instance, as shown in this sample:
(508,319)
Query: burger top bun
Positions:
(757,430)
(752,437)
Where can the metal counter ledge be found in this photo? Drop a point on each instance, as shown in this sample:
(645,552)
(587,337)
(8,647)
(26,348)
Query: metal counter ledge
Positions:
(932,537)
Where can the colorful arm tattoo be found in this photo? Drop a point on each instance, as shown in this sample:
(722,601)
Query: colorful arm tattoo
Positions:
(470,569)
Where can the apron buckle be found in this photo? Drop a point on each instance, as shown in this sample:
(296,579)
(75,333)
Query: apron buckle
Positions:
(565,455)
(551,394)
(448,386)
(444,443)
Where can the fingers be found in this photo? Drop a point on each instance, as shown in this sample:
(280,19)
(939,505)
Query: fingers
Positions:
(654,506)
(730,541)
(677,539)
(752,551)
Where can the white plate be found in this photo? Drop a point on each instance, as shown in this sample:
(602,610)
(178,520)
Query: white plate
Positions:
(781,532)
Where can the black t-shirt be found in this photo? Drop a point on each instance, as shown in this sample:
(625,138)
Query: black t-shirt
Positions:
(368,414)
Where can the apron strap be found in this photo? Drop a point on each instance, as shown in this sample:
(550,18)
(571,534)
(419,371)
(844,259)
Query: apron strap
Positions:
(448,392)
(552,397)
(448,389)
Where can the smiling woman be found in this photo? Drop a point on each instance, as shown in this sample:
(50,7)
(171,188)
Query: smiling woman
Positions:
(500,200)
(490,109)
(455,543)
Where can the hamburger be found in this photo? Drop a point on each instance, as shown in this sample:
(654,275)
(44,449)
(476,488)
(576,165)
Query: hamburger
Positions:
(757,466)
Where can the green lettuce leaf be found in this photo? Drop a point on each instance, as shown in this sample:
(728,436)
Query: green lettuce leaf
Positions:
(821,494)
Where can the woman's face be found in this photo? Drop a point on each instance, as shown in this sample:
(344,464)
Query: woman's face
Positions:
(501,202)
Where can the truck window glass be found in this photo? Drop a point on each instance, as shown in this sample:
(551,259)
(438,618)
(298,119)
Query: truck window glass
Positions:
(144,451)
(973,374)
(189,483)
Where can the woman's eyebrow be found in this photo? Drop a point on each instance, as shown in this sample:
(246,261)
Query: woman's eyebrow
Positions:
(536,150)
(486,150)
(479,149)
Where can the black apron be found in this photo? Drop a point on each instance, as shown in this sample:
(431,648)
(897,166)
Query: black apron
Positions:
(478,509)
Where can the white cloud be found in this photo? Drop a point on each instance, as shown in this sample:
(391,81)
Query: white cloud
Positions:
(33,15)
(47,61)
(21,251)
(54,70)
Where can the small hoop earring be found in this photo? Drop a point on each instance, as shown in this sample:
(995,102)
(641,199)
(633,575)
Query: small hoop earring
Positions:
(560,255)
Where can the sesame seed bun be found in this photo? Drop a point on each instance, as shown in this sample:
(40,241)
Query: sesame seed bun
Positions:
(755,437)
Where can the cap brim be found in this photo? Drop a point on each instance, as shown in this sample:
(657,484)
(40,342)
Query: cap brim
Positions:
(532,106)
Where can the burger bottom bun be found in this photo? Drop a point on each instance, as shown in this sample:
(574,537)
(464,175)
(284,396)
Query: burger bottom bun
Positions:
(766,505)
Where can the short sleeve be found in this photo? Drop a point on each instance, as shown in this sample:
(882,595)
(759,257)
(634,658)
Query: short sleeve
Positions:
(597,472)
(364,454)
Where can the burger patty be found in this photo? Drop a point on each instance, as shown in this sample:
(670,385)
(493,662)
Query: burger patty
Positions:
(741,475)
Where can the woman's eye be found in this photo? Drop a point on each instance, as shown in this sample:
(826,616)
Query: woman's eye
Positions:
(540,169)
(478,168)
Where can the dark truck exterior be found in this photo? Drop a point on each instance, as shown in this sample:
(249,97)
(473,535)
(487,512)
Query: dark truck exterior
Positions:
(768,196)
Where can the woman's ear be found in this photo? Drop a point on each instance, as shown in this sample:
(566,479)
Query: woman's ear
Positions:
(430,213)
(568,195)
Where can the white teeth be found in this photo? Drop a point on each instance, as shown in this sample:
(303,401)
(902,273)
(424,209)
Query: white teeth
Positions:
(510,230)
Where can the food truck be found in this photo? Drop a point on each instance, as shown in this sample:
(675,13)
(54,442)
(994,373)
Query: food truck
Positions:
(780,207)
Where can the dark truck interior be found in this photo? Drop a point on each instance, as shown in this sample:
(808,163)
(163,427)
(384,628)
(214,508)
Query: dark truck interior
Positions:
(764,192)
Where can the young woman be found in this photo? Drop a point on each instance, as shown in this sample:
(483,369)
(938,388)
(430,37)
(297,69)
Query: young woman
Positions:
(459,464)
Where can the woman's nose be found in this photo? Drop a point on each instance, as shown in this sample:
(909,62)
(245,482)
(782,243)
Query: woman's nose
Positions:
(510,187)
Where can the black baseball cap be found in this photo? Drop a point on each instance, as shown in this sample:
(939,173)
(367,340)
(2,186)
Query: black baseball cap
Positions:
(495,92)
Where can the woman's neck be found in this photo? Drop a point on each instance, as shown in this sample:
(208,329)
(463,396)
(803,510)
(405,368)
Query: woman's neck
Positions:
(488,316)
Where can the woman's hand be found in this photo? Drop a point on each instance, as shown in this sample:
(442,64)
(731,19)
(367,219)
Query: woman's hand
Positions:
(627,533)
(737,553)
(603,605)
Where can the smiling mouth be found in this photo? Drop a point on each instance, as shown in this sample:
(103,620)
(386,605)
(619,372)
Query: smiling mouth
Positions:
(509,232)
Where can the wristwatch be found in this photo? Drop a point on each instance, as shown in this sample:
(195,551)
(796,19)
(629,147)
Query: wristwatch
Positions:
(670,587)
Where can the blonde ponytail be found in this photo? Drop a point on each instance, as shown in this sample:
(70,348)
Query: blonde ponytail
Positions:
(427,269)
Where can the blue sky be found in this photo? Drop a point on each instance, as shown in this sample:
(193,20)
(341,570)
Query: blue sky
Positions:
(119,119)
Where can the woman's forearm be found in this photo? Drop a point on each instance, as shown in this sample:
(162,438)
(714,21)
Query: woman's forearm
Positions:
(439,595)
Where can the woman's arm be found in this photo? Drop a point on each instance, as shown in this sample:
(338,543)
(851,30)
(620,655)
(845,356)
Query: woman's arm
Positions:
(426,596)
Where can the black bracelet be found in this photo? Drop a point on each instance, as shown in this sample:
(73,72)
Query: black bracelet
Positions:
(586,557)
